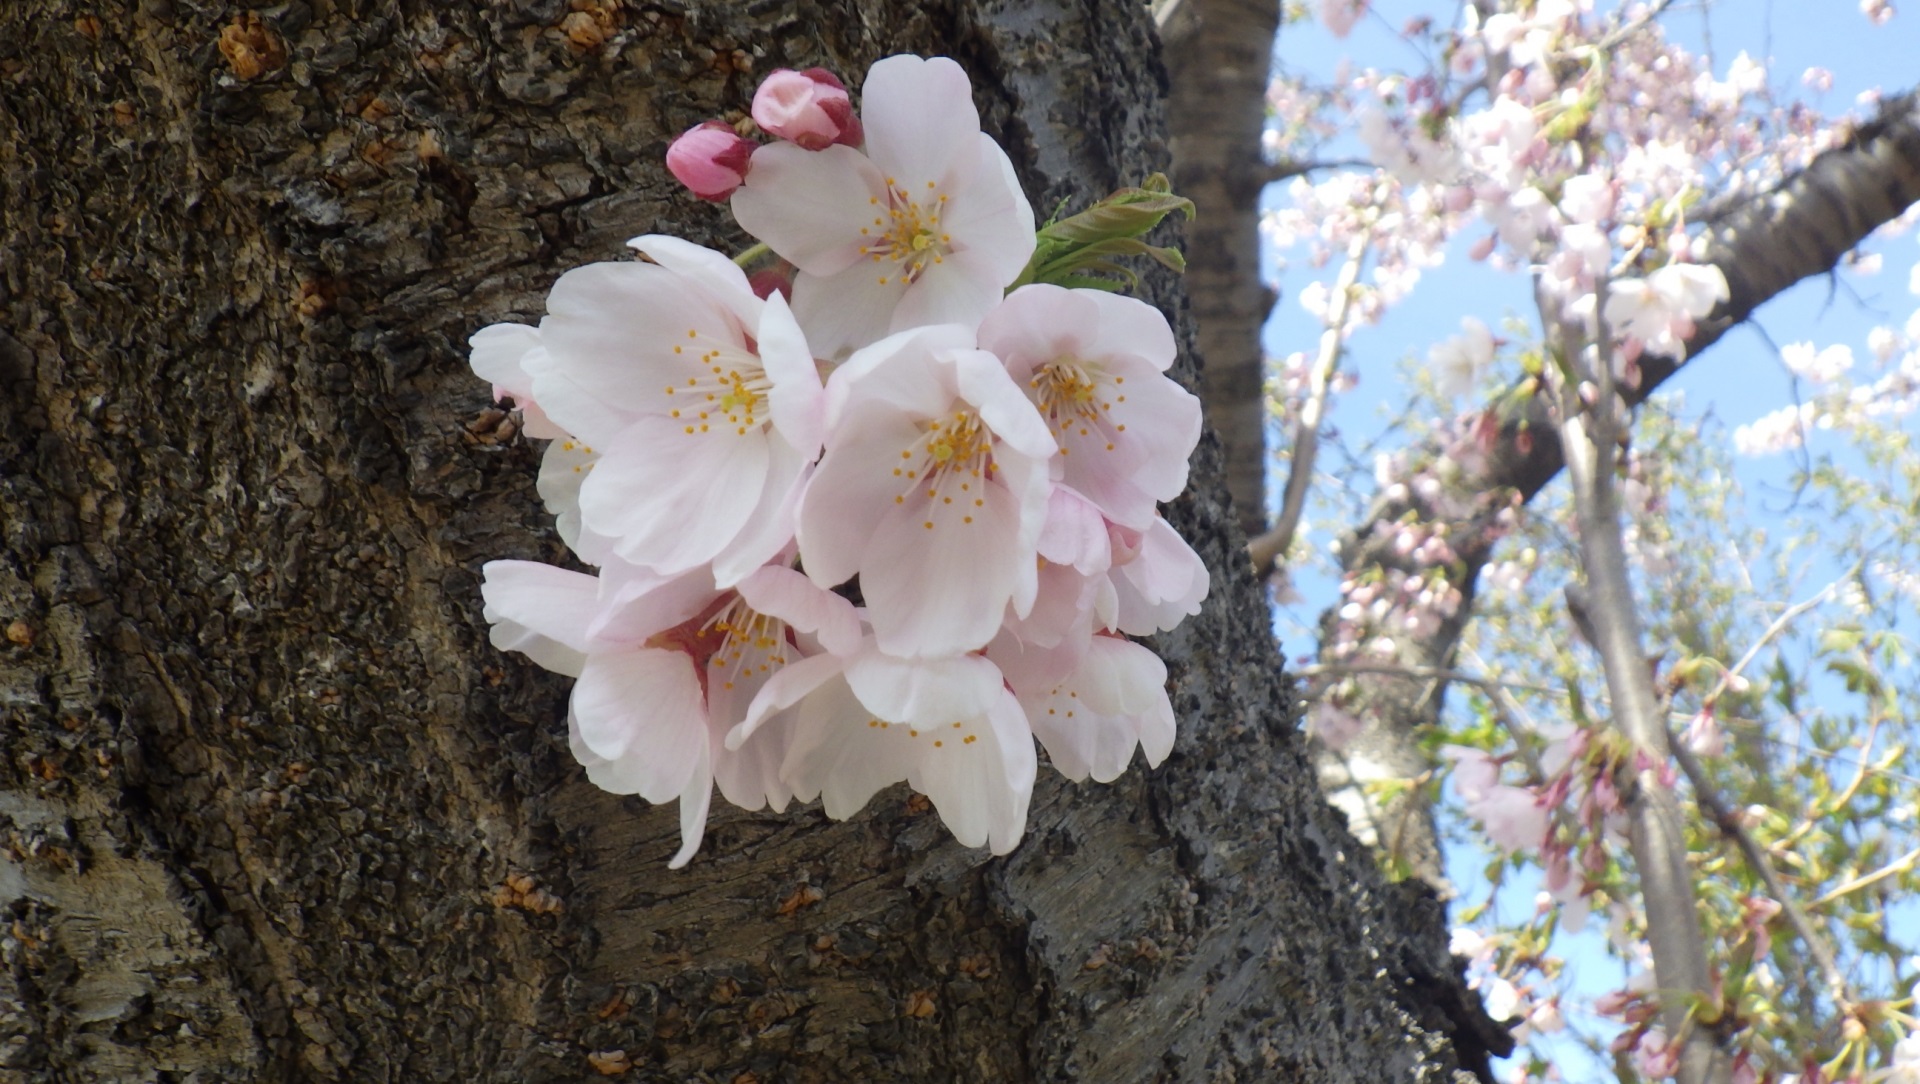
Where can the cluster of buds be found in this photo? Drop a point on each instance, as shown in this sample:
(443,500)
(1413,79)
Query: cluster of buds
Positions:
(810,109)
(895,529)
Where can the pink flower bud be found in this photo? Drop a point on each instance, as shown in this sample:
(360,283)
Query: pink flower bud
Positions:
(810,108)
(710,159)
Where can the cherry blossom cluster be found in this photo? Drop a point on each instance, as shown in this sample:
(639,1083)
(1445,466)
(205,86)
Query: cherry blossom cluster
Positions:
(889,521)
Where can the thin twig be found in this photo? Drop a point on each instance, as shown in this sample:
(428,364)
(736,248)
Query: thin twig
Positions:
(1632,27)
(1844,798)
(1902,864)
(1272,545)
(1779,625)
(1590,439)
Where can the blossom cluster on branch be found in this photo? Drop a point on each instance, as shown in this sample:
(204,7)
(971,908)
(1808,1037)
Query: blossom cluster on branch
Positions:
(890,519)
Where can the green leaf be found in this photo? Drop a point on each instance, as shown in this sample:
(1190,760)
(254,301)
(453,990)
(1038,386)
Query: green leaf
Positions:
(1839,641)
(1069,251)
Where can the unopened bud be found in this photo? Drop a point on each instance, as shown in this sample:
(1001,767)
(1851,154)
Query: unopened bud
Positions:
(810,108)
(710,159)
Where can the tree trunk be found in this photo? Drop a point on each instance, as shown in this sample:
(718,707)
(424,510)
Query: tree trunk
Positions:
(270,806)
(1219,53)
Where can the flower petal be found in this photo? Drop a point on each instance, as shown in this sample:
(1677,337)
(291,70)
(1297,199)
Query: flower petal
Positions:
(919,116)
(541,611)
(983,381)
(1075,533)
(611,329)
(923,691)
(712,273)
(942,589)
(853,481)
(673,499)
(793,598)
(1161,587)
(847,310)
(796,402)
(810,206)
(959,290)
(1039,323)
(792,684)
(497,352)
(695,800)
(989,217)
(645,702)
(1129,327)
(899,372)
(769,527)
(981,788)
(569,406)
(843,755)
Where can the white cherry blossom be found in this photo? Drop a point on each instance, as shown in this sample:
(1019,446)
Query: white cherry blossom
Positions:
(928,226)
(1092,719)
(698,402)
(1093,364)
(948,728)
(933,489)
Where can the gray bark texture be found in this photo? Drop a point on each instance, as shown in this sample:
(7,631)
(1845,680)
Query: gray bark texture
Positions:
(272,809)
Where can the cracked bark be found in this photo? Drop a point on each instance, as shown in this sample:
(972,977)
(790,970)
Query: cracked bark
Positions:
(1763,243)
(271,808)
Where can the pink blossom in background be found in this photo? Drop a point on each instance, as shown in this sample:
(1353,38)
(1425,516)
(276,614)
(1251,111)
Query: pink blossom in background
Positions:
(1655,1057)
(1514,818)
(1658,311)
(1458,362)
(1339,16)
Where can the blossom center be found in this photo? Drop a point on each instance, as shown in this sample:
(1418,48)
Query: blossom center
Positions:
(1070,396)
(946,469)
(730,386)
(906,232)
(747,644)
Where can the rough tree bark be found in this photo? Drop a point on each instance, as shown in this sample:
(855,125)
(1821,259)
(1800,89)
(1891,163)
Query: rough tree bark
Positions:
(1763,243)
(271,808)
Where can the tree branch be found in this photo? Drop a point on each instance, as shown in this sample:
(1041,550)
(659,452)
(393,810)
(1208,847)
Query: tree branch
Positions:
(1655,832)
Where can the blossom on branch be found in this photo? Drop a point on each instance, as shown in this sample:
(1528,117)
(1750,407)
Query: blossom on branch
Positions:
(983,474)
